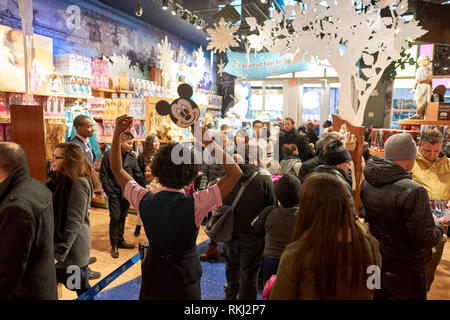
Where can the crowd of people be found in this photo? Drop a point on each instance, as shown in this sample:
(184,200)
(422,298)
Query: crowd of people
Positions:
(303,227)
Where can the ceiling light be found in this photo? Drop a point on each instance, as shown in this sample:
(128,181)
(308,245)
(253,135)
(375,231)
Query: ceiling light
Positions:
(175,8)
(185,15)
(139,8)
(199,24)
(263,1)
(193,20)
(165,4)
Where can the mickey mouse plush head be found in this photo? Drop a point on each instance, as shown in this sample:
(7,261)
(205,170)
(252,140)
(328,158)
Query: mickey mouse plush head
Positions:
(183,111)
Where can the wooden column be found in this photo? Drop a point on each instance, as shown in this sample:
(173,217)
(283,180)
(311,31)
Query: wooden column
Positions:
(355,154)
(155,75)
(27,129)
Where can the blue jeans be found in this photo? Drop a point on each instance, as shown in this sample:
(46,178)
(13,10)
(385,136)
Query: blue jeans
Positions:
(269,267)
(243,255)
(395,287)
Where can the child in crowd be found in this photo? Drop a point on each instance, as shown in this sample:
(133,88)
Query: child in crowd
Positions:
(291,162)
(118,205)
(276,223)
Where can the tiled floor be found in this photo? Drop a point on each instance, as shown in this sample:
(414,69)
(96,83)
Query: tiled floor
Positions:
(212,282)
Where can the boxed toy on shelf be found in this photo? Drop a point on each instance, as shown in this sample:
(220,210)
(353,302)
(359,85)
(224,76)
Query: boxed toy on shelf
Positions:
(138,129)
(137,108)
(4,106)
(77,86)
(53,106)
(73,64)
(97,107)
(20,99)
(100,73)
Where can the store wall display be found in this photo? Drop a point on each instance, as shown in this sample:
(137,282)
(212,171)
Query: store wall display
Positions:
(12,63)
(95,30)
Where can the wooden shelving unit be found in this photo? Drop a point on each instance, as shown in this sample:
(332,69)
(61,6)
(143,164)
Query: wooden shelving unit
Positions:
(376,153)
(412,122)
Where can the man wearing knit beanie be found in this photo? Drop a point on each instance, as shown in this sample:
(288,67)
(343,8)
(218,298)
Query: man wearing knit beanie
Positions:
(399,216)
(401,149)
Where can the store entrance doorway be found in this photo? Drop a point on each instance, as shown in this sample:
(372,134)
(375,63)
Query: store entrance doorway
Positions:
(318,100)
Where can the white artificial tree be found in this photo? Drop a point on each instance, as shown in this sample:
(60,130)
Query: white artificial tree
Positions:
(358,44)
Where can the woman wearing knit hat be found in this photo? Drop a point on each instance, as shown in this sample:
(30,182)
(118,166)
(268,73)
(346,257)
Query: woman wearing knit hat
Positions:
(338,162)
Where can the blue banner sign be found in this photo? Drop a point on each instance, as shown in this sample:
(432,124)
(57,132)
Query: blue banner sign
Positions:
(263,64)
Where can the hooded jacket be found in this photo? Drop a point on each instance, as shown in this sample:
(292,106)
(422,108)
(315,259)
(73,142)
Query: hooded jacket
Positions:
(433,176)
(399,216)
(258,195)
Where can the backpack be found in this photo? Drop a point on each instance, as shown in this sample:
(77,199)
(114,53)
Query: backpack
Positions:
(221,224)
(291,166)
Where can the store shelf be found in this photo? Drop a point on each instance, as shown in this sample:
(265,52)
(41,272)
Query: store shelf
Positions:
(412,122)
(112,90)
(376,153)
(45,117)
(73,75)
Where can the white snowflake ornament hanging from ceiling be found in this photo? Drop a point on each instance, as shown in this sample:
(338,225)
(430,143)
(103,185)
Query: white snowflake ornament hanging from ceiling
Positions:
(222,37)
(165,57)
(220,68)
(358,44)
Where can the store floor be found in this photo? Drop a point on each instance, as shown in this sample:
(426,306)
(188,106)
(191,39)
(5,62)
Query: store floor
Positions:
(126,287)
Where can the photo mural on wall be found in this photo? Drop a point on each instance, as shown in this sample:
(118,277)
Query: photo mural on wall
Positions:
(96,30)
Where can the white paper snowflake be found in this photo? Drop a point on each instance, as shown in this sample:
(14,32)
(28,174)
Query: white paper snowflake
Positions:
(200,59)
(220,68)
(358,45)
(222,37)
(165,57)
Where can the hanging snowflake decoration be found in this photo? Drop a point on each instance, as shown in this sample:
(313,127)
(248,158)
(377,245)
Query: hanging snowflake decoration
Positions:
(165,57)
(222,37)
(181,55)
(200,59)
(220,68)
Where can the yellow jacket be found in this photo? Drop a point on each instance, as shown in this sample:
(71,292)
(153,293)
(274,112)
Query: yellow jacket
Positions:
(433,176)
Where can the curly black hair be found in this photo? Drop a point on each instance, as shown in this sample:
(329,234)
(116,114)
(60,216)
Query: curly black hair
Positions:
(169,174)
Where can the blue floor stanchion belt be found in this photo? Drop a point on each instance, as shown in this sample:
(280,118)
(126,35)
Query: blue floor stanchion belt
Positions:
(93,291)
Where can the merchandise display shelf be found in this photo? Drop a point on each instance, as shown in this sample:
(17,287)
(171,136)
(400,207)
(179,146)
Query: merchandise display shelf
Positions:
(376,152)
(412,122)
(45,117)
(112,90)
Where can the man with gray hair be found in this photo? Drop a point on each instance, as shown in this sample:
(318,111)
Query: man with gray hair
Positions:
(27,269)
(399,216)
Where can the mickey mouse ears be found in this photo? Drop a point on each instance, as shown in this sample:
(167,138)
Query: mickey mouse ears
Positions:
(185,91)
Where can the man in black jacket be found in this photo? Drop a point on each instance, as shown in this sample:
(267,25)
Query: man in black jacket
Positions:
(27,267)
(243,253)
(292,136)
(117,204)
(399,216)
